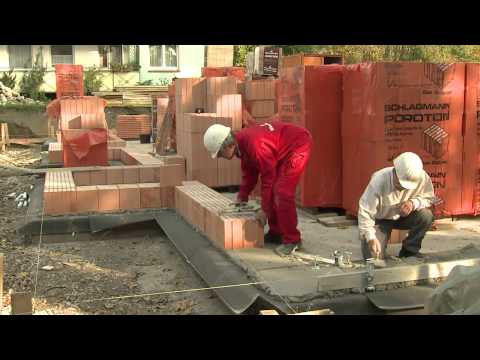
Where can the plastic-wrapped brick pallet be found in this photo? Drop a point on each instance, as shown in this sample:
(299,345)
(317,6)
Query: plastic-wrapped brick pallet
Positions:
(390,108)
(311,96)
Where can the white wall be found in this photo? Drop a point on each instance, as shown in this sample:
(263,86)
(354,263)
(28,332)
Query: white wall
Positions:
(4,57)
(192,59)
(86,55)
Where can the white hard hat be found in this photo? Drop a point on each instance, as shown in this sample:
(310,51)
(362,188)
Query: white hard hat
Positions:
(214,138)
(409,168)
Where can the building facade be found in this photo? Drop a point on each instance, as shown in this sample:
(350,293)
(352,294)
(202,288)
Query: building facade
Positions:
(119,65)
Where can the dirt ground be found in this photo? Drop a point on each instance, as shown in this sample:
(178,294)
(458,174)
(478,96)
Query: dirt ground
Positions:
(81,277)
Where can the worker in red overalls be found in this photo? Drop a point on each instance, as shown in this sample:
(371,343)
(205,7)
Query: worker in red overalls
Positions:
(278,152)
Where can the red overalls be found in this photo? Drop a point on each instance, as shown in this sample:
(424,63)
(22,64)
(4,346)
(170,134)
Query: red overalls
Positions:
(279,152)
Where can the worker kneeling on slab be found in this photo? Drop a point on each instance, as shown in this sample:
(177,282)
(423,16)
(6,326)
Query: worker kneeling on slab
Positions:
(397,197)
(279,152)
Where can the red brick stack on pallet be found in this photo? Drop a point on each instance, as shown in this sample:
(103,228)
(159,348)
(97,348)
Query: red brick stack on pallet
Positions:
(130,127)
(218,98)
(311,96)
(201,207)
(390,108)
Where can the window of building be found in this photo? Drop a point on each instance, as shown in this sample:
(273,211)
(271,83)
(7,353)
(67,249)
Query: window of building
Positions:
(123,54)
(20,56)
(164,56)
(61,54)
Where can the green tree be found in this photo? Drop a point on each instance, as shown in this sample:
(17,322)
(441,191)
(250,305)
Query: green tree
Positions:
(33,80)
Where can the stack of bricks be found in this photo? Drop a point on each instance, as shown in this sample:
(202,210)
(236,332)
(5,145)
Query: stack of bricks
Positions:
(235,71)
(199,164)
(183,104)
(92,189)
(55,153)
(59,192)
(218,97)
(132,126)
(260,96)
(202,207)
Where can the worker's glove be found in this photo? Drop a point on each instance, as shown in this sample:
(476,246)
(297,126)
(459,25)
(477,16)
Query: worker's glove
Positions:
(375,248)
(261,217)
(406,208)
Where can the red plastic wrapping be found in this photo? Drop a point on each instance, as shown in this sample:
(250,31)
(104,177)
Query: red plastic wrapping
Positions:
(471,168)
(69,79)
(70,107)
(85,147)
(390,108)
(311,96)
(238,72)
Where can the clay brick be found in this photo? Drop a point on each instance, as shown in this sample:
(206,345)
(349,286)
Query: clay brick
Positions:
(129,196)
(55,157)
(262,108)
(117,153)
(147,174)
(170,175)
(108,197)
(198,215)
(168,197)
(81,178)
(131,174)
(223,232)
(253,234)
(173,160)
(86,200)
(110,154)
(98,177)
(150,196)
(114,175)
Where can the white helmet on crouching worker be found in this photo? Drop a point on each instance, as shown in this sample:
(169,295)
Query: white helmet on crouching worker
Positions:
(409,168)
(214,137)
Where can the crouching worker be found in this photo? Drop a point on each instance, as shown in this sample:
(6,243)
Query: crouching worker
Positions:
(397,197)
(278,152)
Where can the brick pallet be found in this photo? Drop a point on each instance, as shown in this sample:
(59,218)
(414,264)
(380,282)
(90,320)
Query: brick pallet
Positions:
(132,126)
(201,207)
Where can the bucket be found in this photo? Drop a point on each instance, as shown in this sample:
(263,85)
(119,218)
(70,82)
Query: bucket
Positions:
(145,138)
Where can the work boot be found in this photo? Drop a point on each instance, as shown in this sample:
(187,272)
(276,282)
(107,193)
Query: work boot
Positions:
(406,253)
(287,249)
(272,238)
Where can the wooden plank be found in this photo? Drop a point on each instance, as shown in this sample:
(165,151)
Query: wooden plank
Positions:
(313,312)
(316,312)
(269,312)
(390,275)
(21,303)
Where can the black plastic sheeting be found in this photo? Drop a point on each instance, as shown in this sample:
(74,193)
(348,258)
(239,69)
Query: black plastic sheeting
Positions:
(215,268)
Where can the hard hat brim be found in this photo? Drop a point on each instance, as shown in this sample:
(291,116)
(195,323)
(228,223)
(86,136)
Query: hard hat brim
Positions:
(408,184)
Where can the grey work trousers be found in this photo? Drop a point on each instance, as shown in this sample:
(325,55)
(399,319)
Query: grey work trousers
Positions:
(417,224)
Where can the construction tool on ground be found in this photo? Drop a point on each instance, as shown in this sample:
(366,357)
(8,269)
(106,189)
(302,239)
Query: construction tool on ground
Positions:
(370,274)
(342,259)
(239,209)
